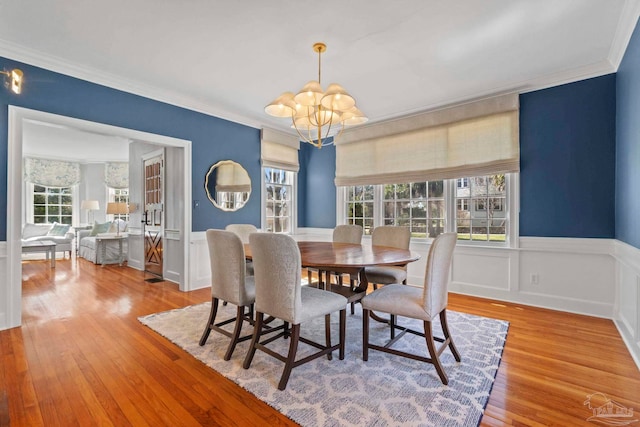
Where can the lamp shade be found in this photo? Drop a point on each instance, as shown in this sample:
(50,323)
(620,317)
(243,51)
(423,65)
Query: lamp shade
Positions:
(117,208)
(90,205)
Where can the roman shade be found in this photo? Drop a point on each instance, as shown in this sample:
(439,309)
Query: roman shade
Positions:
(472,139)
(51,173)
(116,175)
(279,150)
(231,177)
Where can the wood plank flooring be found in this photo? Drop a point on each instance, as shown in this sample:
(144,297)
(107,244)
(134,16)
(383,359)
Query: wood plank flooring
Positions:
(82,358)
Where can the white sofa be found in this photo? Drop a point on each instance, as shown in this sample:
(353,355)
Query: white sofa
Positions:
(53,232)
(90,249)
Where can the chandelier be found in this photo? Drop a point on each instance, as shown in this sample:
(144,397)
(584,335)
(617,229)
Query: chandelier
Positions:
(316,115)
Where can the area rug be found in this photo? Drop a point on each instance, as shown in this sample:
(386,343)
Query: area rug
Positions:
(386,390)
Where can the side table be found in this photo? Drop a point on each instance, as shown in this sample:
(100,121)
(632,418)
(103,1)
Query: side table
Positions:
(101,246)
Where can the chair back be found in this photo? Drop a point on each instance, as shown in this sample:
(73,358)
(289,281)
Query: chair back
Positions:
(226,256)
(277,270)
(436,278)
(392,236)
(242,230)
(347,233)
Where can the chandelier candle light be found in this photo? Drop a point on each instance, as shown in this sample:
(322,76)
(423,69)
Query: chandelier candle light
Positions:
(312,109)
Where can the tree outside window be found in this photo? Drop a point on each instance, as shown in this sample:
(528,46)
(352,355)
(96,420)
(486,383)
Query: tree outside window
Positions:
(51,204)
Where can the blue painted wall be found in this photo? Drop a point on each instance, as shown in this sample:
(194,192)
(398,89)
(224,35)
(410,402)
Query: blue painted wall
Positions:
(628,144)
(316,188)
(567,160)
(213,139)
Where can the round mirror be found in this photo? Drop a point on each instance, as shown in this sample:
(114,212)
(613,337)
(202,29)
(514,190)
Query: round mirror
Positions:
(228,185)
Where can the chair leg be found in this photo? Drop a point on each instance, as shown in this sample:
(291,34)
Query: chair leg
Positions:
(210,322)
(433,352)
(236,332)
(309,276)
(327,334)
(343,330)
(447,336)
(353,308)
(291,357)
(257,329)
(392,324)
(365,335)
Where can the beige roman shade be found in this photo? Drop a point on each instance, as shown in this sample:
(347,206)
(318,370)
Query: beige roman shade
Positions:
(478,138)
(279,150)
(51,173)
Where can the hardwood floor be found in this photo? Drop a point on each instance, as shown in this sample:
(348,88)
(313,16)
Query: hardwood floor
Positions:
(82,358)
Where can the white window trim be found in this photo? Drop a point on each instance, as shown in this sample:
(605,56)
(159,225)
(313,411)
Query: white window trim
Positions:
(513,210)
(75,204)
(294,200)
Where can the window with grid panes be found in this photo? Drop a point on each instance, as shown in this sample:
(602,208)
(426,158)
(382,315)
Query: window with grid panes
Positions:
(52,204)
(359,202)
(477,206)
(278,202)
(419,206)
(481,213)
(119,195)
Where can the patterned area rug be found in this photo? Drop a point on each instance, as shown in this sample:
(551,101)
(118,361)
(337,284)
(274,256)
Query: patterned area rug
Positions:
(386,390)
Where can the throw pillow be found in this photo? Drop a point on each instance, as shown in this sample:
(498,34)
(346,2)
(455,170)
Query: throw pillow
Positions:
(58,229)
(100,228)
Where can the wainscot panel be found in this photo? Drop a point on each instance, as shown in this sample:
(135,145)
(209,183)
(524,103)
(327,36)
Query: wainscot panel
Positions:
(627,311)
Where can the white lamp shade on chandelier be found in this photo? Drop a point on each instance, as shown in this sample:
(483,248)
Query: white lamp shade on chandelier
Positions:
(313,109)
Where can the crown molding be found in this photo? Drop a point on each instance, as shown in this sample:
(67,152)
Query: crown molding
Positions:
(625,28)
(49,62)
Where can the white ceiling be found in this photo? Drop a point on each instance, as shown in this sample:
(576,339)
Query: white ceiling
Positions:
(230,59)
(45,140)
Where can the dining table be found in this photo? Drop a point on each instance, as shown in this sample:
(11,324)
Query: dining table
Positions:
(347,258)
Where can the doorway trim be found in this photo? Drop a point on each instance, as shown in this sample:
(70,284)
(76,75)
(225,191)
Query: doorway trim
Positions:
(19,115)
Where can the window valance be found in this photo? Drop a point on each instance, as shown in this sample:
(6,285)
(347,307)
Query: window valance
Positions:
(478,138)
(116,175)
(51,173)
(279,150)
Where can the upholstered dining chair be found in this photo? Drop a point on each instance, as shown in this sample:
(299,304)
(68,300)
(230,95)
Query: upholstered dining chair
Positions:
(344,233)
(243,231)
(276,259)
(229,283)
(395,237)
(424,304)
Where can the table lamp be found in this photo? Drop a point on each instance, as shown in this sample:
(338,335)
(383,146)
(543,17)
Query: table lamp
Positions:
(115,208)
(90,205)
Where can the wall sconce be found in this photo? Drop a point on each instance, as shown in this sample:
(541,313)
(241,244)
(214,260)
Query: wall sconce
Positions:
(13,80)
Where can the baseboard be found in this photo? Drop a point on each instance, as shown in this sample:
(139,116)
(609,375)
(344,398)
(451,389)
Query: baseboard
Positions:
(630,342)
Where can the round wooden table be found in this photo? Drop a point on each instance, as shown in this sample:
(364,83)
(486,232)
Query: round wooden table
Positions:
(348,258)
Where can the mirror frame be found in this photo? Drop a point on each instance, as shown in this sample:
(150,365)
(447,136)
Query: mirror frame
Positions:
(212,199)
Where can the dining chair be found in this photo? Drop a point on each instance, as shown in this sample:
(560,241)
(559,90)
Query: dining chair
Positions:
(243,231)
(229,283)
(344,233)
(279,294)
(391,236)
(415,303)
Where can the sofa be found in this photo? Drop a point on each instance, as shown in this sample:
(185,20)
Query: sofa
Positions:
(90,249)
(61,234)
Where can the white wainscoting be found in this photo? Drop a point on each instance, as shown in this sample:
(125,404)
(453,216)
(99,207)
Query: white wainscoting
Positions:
(627,308)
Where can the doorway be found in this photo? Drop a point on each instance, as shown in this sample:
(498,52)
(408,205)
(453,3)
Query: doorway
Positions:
(17,117)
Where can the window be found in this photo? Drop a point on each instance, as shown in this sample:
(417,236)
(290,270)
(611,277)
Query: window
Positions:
(360,202)
(474,207)
(419,206)
(487,220)
(119,195)
(51,204)
(279,191)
